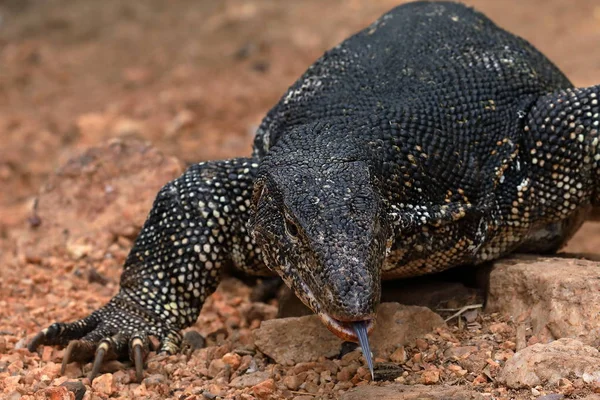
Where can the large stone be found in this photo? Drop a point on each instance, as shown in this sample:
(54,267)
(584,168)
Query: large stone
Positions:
(298,339)
(303,339)
(559,296)
(411,392)
(546,364)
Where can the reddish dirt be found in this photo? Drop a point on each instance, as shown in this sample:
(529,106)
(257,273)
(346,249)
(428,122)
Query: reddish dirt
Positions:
(193,78)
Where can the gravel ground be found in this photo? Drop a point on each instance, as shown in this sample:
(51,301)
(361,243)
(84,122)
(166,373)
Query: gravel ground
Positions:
(169,85)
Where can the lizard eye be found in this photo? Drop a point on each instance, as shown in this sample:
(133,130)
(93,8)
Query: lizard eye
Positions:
(291,228)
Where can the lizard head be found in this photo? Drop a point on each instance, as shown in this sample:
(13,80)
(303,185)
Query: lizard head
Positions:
(321,227)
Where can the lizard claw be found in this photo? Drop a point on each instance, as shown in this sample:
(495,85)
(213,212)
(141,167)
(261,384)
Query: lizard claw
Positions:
(139,346)
(138,361)
(108,349)
(97,361)
(77,350)
(37,340)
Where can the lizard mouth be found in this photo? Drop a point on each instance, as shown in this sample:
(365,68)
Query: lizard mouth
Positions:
(345,329)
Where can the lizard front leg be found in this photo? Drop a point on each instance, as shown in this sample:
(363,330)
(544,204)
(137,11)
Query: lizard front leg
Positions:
(197,223)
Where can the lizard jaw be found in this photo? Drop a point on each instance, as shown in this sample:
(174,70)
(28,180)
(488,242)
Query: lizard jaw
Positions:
(344,329)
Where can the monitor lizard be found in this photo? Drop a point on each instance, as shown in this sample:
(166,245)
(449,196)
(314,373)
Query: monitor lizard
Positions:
(430,139)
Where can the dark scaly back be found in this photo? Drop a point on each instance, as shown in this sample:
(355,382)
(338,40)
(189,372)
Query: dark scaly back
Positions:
(435,82)
(434,57)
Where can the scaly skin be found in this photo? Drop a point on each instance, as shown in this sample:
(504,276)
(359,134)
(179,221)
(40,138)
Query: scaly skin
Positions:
(430,139)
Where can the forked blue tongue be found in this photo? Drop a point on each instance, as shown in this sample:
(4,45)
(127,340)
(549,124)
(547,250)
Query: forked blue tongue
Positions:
(360,328)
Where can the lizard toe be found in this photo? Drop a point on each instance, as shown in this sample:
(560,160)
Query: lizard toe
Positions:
(100,347)
(96,345)
(60,333)
(77,351)
(110,348)
(171,343)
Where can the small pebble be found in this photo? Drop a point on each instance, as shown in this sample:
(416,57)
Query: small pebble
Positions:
(76,387)
(232,360)
(552,396)
(431,376)
(265,389)
(104,384)
(399,355)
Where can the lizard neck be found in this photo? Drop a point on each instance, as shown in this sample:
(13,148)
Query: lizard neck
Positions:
(561,144)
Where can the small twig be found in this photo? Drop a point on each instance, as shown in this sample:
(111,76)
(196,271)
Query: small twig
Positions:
(302,393)
(456,309)
(461,310)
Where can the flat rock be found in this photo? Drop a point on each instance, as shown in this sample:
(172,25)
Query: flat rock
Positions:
(546,364)
(297,339)
(251,379)
(304,339)
(411,392)
(559,296)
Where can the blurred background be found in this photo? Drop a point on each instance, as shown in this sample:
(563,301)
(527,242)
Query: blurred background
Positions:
(195,77)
